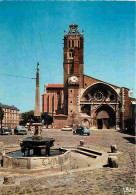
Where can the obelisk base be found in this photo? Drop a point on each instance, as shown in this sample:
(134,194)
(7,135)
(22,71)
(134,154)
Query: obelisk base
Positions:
(37,128)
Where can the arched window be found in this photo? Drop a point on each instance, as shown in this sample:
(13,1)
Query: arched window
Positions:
(71,53)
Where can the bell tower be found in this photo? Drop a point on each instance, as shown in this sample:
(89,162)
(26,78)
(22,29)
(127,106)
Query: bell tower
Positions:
(73,64)
(73,55)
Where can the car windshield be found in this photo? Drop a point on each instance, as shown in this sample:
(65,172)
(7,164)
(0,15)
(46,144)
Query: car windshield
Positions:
(5,128)
(21,128)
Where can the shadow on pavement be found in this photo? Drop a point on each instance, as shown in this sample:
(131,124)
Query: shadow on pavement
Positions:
(127,132)
(130,139)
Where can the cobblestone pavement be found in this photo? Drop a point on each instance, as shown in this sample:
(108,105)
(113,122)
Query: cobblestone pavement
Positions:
(104,181)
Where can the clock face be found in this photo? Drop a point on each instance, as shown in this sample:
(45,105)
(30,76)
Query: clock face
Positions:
(73,79)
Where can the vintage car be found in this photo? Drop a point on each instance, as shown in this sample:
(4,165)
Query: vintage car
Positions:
(6,130)
(81,130)
(20,130)
(66,128)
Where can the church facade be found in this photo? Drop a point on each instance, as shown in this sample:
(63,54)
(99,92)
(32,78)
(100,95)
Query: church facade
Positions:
(82,99)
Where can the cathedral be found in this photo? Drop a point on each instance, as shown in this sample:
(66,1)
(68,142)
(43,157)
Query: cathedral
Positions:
(82,99)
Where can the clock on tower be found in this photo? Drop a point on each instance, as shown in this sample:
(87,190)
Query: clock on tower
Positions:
(73,80)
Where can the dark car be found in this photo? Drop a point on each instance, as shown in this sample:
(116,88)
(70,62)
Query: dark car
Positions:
(81,130)
(20,130)
(6,130)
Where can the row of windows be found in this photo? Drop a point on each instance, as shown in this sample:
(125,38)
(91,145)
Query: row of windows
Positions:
(10,120)
(10,111)
(9,123)
(73,43)
(10,116)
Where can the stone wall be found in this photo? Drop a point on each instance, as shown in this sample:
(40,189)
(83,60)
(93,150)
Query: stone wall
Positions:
(36,162)
(59,121)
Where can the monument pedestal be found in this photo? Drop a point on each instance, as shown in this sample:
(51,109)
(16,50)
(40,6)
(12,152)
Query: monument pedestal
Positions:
(37,128)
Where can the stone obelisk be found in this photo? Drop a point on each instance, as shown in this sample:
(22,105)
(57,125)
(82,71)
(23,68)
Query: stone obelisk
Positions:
(37,95)
(37,115)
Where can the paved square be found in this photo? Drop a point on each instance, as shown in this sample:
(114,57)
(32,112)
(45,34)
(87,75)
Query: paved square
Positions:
(106,180)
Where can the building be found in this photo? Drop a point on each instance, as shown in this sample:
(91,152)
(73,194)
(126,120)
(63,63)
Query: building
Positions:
(83,99)
(11,116)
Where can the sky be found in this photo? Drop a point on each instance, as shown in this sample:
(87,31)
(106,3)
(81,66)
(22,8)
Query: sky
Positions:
(32,32)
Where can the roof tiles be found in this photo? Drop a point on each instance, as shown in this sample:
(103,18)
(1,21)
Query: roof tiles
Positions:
(55,86)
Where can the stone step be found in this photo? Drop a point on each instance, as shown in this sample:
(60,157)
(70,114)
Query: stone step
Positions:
(90,150)
(86,153)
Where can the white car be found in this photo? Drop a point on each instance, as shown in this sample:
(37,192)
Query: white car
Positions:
(66,128)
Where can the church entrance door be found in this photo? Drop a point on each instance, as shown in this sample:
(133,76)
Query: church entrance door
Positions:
(105,117)
(105,123)
(99,123)
(103,120)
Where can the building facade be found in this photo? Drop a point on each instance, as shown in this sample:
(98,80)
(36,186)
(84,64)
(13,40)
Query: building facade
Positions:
(83,99)
(11,116)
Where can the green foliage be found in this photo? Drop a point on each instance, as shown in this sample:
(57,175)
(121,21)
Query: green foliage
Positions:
(27,117)
(1,115)
(48,120)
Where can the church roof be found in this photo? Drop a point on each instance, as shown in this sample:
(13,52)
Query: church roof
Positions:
(105,82)
(55,86)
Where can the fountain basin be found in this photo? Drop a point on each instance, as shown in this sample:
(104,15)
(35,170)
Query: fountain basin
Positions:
(32,162)
(36,143)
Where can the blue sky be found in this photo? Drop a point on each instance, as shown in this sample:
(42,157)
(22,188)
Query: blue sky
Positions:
(33,31)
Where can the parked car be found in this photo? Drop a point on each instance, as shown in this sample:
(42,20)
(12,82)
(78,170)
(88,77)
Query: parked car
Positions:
(67,128)
(81,130)
(20,130)
(6,130)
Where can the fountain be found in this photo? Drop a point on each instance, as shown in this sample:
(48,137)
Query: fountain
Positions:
(36,143)
(35,151)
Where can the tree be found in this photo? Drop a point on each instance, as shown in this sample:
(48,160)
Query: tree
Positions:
(1,115)
(48,120)
(27,117)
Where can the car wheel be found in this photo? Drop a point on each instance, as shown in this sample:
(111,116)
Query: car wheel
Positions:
(88,134)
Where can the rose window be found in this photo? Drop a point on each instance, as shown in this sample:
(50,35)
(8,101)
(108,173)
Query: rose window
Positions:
(98,96)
